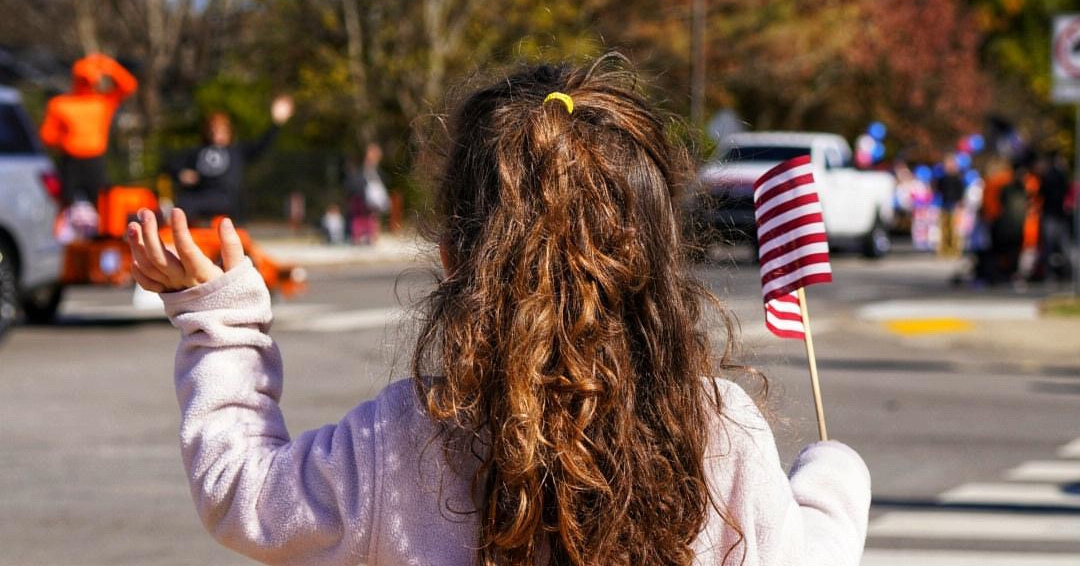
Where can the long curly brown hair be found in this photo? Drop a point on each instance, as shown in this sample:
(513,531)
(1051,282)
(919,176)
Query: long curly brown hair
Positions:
(566,340)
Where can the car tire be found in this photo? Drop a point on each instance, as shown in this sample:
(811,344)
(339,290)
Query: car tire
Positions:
(39,307)
(876,242)
(9,290)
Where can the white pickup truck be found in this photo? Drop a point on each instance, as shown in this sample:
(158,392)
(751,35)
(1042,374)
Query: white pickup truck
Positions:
(857,205)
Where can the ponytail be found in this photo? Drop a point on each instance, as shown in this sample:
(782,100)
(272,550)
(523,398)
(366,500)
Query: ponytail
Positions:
(566,334)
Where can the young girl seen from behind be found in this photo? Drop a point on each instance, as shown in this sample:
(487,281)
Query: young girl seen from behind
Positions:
(562,408)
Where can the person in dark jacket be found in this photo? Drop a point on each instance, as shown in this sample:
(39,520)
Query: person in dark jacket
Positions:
(1054,243)
(950,191)
(210,177)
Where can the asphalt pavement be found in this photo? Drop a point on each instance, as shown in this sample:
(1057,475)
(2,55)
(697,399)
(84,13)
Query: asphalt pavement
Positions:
(996,319)
(962,401)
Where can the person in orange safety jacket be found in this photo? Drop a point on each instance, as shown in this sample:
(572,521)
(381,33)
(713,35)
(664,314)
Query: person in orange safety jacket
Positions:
(77,124)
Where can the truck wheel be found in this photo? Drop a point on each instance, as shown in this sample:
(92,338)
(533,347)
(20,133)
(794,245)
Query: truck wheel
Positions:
(40,306)
(876,242)
(9,290)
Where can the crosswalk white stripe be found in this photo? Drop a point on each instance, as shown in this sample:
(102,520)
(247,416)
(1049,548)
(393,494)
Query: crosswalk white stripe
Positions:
(1070,450)
(1044,487)
(1061,471)
(967,525)
(287,310)
(88,310)
(341,321)
(888,557)
(310,317)
(1011,493)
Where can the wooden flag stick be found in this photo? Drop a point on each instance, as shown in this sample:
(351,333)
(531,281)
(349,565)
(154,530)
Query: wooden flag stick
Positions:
(814,384)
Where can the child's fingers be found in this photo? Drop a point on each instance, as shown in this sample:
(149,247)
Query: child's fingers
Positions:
(155,252)
(194,260)
(198,267)
(232,250)
(141,258)
(146,282)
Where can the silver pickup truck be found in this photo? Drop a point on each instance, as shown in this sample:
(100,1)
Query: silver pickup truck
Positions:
(857,205)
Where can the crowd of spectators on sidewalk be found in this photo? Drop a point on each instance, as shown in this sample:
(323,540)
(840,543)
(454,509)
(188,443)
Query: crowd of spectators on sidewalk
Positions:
(1011,217)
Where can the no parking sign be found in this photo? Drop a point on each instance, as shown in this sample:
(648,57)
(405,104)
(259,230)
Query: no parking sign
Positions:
(1065,62)
(1065,58)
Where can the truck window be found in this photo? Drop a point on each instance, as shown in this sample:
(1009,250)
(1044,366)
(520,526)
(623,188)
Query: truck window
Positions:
(771,154)
(14,139)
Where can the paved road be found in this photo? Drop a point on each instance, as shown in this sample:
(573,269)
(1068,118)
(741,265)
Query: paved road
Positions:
(970,434)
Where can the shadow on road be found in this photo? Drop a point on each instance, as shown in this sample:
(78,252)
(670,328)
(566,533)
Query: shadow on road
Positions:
(102,322)
(946,366)
(888,503)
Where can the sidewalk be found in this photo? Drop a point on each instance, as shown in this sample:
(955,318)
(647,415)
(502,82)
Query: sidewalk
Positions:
(306,248)
(1011,327)
(1002,322)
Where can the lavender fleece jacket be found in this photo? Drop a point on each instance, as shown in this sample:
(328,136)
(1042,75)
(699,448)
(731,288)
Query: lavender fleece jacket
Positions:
(374,489)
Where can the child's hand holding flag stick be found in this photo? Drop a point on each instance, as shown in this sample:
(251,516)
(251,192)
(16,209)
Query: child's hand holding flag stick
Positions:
(794,252)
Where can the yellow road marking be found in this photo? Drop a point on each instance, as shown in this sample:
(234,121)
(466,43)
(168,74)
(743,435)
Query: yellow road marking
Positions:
(917,326)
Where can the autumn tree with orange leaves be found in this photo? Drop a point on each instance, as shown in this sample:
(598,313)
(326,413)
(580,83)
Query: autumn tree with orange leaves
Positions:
(931,70)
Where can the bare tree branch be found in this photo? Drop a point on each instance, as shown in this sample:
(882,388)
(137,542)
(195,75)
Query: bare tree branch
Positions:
(86,28)
(357,70)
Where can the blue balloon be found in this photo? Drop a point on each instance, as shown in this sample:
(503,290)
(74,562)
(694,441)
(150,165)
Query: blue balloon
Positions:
(924,173)
(939,170)
(878,152)
(971,176)
(877,130)
(977,143)
(963,160)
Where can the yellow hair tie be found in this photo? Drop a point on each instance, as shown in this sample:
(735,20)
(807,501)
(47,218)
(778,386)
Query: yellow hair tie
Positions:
(564,98)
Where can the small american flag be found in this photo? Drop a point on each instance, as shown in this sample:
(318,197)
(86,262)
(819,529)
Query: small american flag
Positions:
(792,245)
(783,317)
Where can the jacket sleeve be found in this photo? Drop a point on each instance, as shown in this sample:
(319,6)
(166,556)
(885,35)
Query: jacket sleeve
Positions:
(124,83)
(52,126)
(179,161)
(816,515)
(304,501)
(254,149)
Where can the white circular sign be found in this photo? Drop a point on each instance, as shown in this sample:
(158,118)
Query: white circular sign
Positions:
(1067,48)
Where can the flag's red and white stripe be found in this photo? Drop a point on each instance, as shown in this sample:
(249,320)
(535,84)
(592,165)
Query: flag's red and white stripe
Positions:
(792,245)
(783,317)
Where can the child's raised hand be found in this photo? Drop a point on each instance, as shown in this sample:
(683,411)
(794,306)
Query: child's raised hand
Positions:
(162,270)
